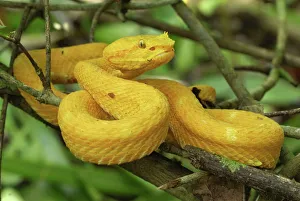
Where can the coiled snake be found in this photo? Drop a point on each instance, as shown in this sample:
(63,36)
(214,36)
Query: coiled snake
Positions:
(115,120)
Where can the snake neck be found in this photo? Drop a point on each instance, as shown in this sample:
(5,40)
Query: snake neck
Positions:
(117,71)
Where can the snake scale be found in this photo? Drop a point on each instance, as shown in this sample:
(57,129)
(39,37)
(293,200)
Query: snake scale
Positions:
(115,119)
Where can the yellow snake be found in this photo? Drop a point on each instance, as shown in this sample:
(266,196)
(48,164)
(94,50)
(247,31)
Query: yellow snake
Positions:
(114,119)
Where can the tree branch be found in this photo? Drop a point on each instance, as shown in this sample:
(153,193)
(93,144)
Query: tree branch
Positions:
(273,77)
(254,68)
(18,34)
(86,7)
(40,96)
(292,132)
(183,180)
(263,181)
(283,112)
(281,33)
(46,96)
(47,83)
(215,53)
(158,171)
(96,16)
(2,126)
(266,70)
(38,70)
(291,168)
(225,43)
(268,84)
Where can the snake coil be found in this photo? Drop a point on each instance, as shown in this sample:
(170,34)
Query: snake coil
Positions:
(115,120)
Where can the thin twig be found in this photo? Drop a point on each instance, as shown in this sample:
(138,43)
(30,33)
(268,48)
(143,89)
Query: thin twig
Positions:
(273,77)
(8,91)
(183,180)
(266,70)
(281,33)
(283,113)
(85,7)
(38,70)
(47,85)
(96,16)
(17,36)
(255,51)
(255,68)
(268,84)
(2,126)
(48,98)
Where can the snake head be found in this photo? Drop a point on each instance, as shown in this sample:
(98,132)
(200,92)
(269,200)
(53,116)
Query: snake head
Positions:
(139,52)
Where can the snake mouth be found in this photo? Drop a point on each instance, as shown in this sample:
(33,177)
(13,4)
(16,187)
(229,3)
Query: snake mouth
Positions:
(171,50)
(165,56)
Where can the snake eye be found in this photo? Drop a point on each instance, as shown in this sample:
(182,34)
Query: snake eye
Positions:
(142,44)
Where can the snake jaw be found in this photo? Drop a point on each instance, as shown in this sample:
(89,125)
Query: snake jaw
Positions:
(163,57)
(169,51)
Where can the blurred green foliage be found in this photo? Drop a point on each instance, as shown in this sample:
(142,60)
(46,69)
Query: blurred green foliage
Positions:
(37,165)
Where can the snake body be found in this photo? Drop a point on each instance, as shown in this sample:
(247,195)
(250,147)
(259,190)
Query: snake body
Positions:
(114,119)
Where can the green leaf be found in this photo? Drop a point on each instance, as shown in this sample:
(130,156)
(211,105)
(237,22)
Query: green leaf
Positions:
(10,194)
(7,31)
(5,54)
(42,191)
(110,180)
(10,179)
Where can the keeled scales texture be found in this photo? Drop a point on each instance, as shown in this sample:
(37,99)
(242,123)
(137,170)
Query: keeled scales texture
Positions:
(62,66)
(246,137)
(114,120)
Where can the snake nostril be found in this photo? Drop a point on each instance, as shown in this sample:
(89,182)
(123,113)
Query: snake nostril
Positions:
(152,48)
